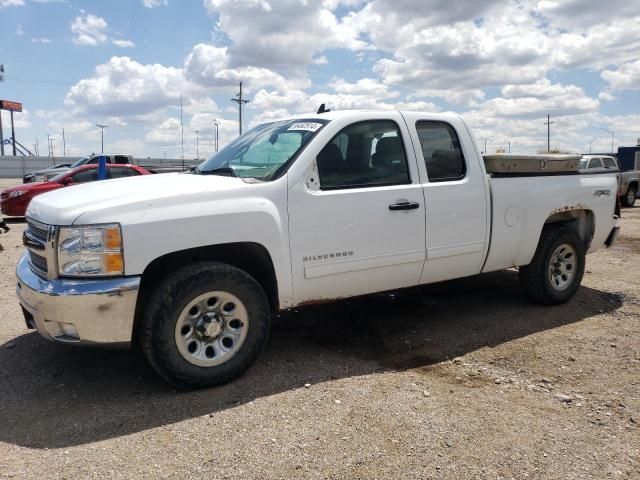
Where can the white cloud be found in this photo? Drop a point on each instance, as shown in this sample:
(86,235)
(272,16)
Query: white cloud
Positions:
(154,3)
(281,33)
(11,3)
(19,30)
(606,96)
(208,66)
(89,30)
(40,40)
(123,43)
(625,77)
(124,87)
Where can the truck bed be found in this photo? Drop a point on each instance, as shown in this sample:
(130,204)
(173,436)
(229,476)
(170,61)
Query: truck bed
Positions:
(521,205)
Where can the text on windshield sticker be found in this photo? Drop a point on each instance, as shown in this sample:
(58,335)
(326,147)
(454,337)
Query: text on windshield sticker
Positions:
(306,126)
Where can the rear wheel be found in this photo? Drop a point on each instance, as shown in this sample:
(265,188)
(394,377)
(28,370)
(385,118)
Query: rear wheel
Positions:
(554,275)
(205,324)
(629,198)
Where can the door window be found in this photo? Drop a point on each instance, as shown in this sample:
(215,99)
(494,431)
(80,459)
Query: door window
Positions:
(441,151)
(87,175)
(595,163)
(121,172)
(122,160)
(364,154)
(609,162)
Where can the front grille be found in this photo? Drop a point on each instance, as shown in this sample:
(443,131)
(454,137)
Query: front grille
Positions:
(38,259)
(38,263)
(40,231)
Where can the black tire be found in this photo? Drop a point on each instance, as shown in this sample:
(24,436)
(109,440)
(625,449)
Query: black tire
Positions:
(629,198)
(535,278)
(169,299)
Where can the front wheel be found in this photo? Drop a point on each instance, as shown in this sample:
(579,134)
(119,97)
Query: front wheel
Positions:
(554,275)
(629,198)
(205,324)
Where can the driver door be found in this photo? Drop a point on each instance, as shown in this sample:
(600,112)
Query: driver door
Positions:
(358,226)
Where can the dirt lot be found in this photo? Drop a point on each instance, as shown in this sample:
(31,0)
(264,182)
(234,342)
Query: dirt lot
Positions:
(465,379)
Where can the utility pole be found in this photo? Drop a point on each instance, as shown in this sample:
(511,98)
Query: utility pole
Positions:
(240,101)
(64,145)
(13,135)
(181,128)
(197,146)
(548,124)
(485,145)
(101,127)
(48,144)
(37,149)
(509,145)
(1,137)
(215,134)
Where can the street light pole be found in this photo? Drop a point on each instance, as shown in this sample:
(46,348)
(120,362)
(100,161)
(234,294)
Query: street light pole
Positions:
(197,146)
(610,132)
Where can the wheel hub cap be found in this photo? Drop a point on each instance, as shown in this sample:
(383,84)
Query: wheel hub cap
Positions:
(211,328)
(563,265)
(210,325)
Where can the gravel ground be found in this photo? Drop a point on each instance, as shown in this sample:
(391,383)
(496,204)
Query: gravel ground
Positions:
(465,379)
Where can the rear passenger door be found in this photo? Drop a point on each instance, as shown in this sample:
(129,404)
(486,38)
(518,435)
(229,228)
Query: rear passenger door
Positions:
(456,201)
(356,222)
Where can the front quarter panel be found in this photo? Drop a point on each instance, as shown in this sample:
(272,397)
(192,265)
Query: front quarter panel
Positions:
(255,214)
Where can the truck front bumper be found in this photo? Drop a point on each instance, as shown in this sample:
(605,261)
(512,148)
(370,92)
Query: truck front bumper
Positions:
(78,311)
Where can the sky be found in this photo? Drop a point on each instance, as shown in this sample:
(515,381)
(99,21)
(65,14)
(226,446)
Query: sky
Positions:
(503,65)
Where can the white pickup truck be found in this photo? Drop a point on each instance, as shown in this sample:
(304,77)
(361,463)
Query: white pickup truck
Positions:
(303,210)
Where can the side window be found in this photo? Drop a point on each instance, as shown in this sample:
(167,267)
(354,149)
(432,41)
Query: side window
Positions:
(87,175)
(595,163)
(609,162)
(441,151)
(364,154)
(121,160)
(93,161)
(121,172)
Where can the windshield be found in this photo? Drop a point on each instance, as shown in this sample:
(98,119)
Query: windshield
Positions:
(583,164)
(82,161)
(58,178)
(263,151)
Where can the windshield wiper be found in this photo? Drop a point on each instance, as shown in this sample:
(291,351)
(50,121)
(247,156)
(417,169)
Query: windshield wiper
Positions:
(224,171)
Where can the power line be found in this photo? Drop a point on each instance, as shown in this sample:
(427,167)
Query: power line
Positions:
(240,101)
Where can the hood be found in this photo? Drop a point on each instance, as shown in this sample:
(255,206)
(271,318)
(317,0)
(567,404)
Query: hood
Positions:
(50,172)
(109,198)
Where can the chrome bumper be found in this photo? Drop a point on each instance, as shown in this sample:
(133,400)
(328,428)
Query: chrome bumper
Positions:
(99,311)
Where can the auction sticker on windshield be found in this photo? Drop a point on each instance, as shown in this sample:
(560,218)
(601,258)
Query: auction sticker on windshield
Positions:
(307,126)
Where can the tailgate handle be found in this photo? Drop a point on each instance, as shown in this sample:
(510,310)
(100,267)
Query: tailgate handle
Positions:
(404,206)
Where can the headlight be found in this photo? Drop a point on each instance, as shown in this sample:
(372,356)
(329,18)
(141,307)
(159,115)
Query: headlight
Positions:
(94,250)
(16,193)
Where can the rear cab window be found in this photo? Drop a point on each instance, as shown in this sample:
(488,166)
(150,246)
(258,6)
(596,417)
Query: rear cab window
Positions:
(441,151)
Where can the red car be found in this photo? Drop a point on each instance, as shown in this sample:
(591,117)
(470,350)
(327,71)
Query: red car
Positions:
(14,201)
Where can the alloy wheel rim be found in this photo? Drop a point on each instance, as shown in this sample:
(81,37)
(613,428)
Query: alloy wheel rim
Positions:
(211,328)
(563,266)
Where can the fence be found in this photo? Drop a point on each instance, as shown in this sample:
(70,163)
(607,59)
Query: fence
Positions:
(17,167)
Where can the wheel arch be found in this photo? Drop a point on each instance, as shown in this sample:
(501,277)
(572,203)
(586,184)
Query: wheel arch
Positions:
(581,221)
(251,257)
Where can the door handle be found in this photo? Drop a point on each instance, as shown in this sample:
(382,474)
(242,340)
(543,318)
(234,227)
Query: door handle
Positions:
(404,206)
